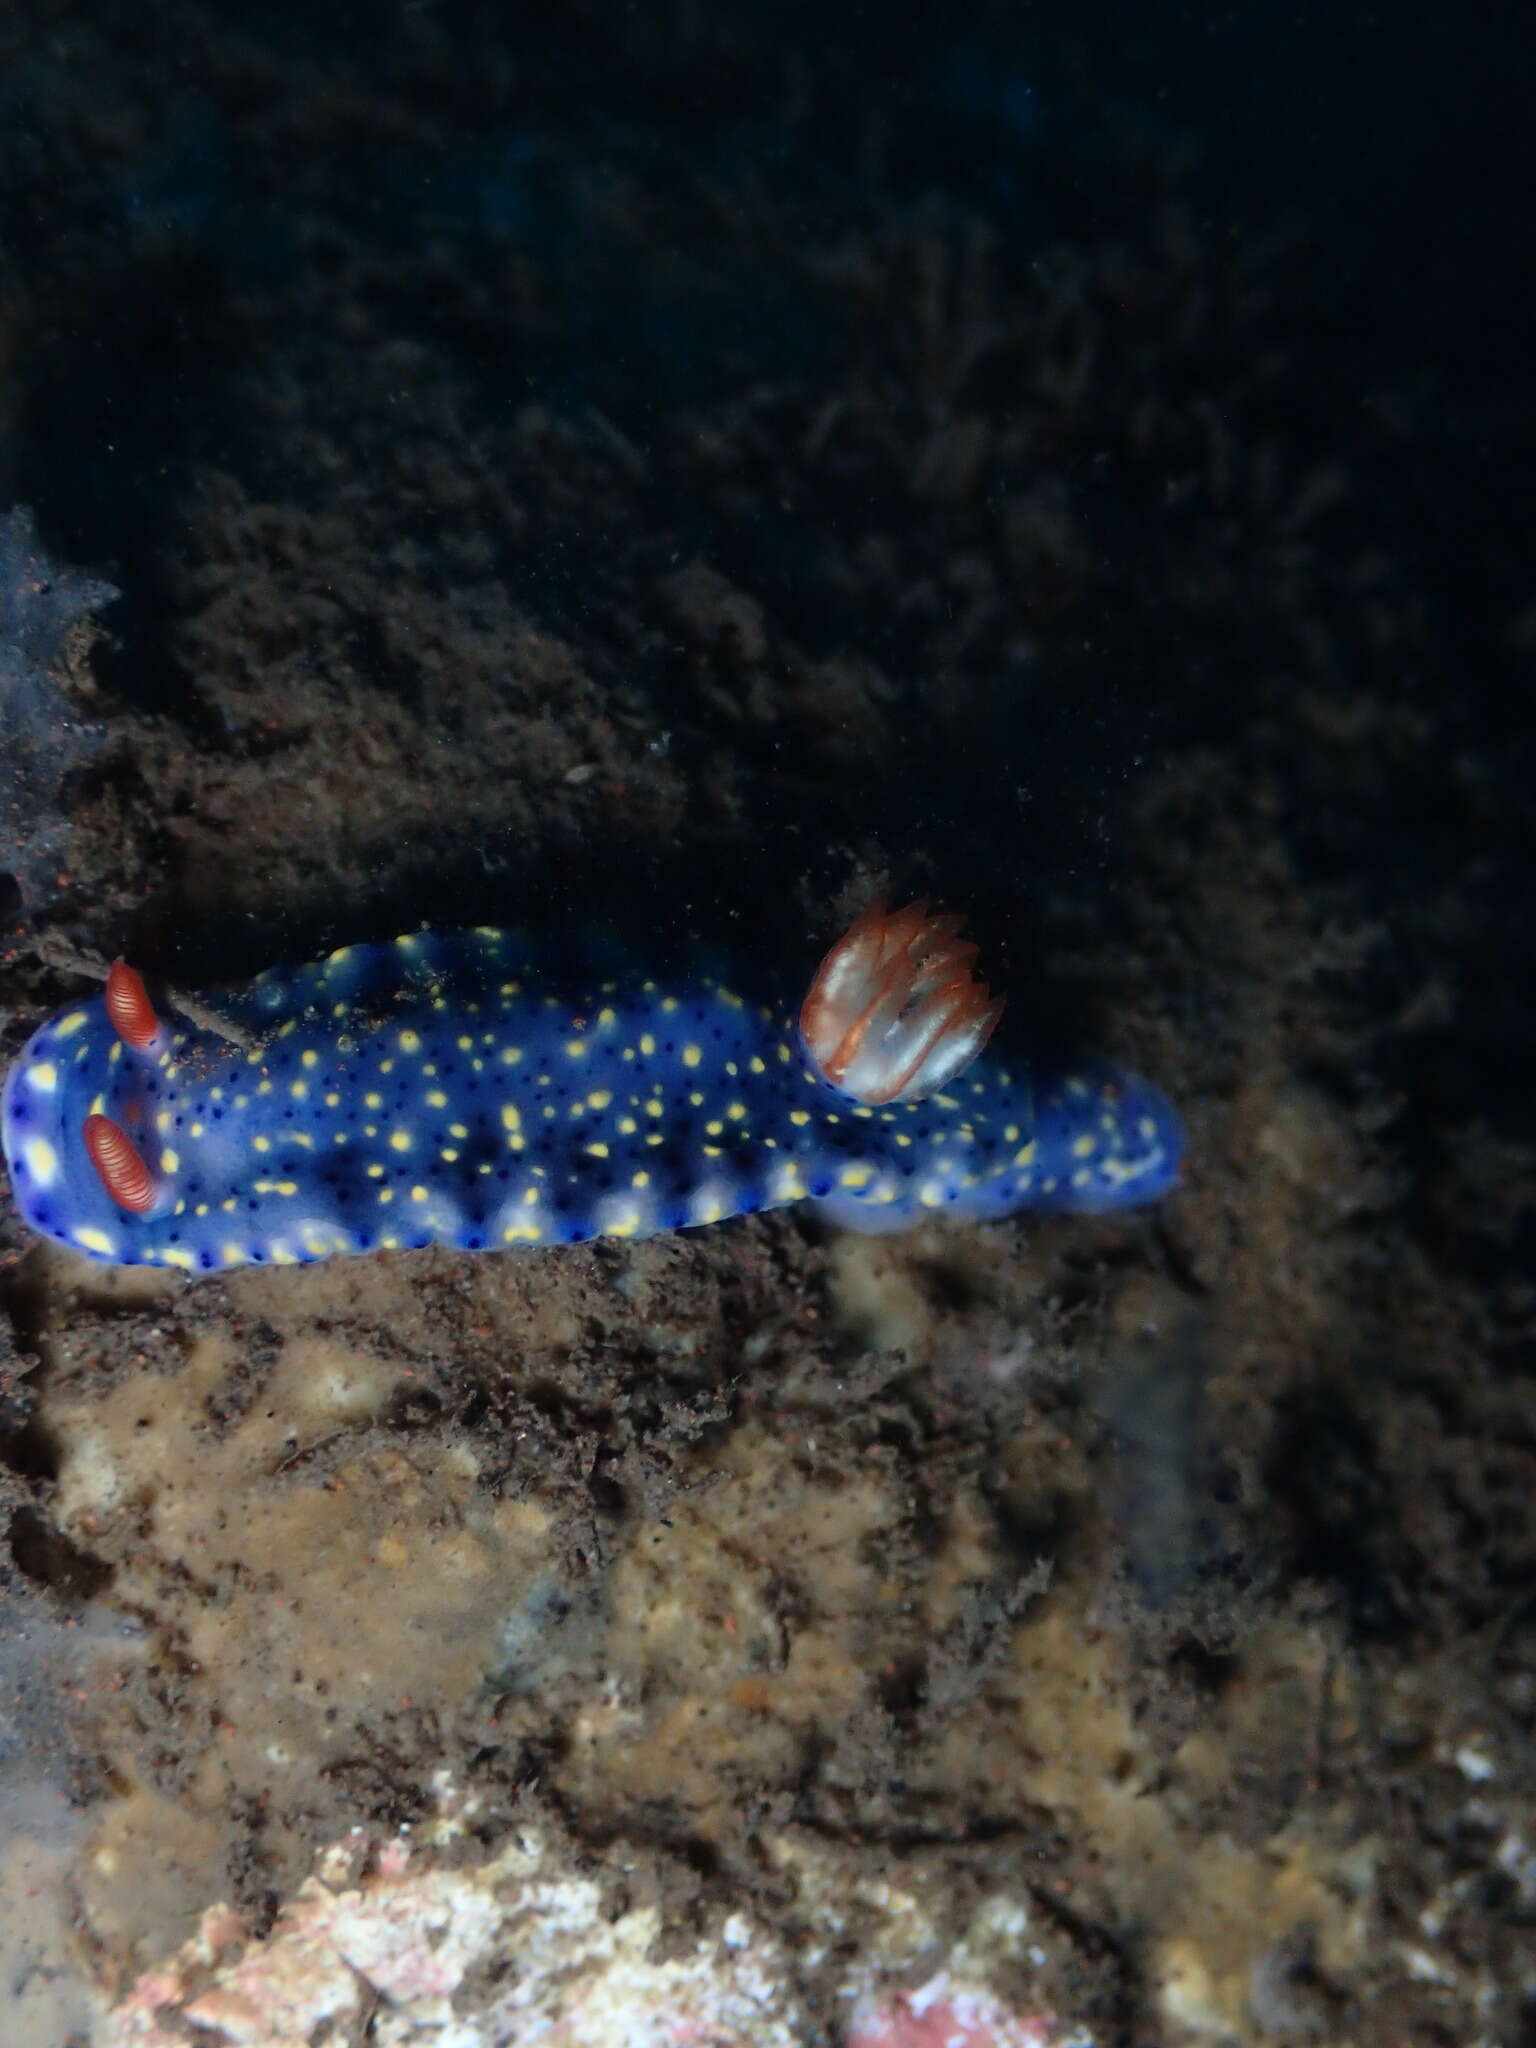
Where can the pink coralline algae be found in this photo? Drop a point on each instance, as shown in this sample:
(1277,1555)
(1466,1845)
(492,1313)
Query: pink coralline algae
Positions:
(942,2014)
(529,1951)
(42,737)
(522,1952)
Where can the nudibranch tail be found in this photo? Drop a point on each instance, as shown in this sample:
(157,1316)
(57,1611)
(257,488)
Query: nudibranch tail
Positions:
(894,1013)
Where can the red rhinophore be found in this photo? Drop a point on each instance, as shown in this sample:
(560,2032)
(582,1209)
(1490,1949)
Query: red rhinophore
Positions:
(128,1005)
(894,1012)
(120,1165)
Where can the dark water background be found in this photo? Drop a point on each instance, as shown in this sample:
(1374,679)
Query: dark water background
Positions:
(1399,138)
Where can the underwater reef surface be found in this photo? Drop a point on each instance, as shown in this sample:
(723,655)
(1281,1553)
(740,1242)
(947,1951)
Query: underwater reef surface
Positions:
(682,474)
(43,737)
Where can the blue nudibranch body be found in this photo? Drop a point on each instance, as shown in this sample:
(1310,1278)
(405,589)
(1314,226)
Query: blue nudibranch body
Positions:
(478,1089)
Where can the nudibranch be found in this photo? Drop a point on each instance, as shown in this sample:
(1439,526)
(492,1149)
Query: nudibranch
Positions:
(482,1090)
